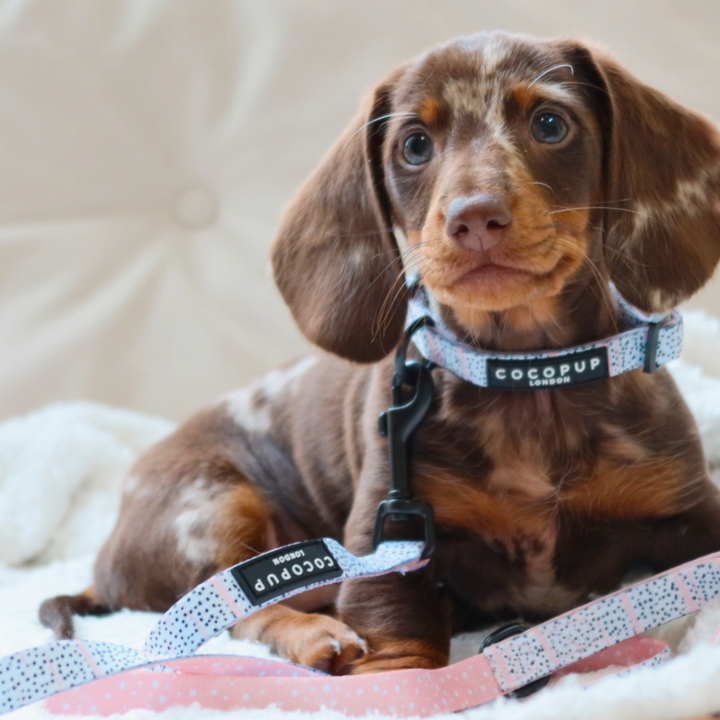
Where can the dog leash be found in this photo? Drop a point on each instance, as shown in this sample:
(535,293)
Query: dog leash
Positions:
(80,677)
(85,677)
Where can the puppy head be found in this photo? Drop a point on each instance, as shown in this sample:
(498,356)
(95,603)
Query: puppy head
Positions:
(511,164)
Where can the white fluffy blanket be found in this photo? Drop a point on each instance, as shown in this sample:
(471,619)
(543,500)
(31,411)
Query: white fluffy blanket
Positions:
(60,470)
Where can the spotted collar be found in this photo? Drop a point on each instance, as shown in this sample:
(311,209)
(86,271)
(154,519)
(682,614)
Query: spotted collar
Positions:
(646,341)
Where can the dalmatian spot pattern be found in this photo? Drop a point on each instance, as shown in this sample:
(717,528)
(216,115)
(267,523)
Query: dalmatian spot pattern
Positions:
(203,613)
(220,602)
(43,672)
(626,350)
(40,672)
(605,622)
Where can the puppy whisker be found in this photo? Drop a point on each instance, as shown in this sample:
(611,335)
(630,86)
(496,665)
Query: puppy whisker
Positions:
(552,69)
(599,207)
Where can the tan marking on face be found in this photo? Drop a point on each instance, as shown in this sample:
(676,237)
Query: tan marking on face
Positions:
(554,92)
(528,95)
(428,110)
(476,320)
(525,96)
(550,247)
(529,323)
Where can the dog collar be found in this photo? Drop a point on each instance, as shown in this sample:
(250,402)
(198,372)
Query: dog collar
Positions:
(646,341)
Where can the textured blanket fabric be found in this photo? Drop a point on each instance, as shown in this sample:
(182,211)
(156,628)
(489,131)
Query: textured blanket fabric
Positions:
(60,471)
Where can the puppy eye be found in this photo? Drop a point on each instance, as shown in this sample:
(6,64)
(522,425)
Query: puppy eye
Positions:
(418,149)
(549,128)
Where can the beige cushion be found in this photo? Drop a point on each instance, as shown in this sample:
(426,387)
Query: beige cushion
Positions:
(148,146)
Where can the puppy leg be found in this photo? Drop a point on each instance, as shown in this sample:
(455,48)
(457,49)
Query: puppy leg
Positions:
(299,635)
(686,536)
(311,639)
(199,529)
(404,618)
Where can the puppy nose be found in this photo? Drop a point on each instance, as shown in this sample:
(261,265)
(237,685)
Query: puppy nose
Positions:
(478,222)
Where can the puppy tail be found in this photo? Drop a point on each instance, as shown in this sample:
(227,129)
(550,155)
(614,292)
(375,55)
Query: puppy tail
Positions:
(57,613)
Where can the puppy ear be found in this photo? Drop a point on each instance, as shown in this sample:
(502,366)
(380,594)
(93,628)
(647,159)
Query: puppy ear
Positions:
(662,187)
(335,259)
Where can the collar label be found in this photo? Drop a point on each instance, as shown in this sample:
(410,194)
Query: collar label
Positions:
(548,372)
(280,571)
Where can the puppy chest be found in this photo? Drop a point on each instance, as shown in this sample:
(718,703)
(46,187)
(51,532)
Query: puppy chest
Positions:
(499,575)
(496,550)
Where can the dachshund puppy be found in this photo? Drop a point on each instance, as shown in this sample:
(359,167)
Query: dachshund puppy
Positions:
(527,175)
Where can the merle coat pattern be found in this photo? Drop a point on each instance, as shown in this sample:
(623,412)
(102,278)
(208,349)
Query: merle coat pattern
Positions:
(516,221)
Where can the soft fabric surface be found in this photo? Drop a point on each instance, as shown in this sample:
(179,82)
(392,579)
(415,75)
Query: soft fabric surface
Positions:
(60,470)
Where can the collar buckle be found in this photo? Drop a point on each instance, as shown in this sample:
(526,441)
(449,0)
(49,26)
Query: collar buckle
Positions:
(651,347)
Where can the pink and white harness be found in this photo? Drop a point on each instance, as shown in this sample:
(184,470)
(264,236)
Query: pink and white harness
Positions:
(85,677)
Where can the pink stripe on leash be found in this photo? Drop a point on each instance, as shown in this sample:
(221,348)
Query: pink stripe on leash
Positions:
(215,683)
(85,652)
(224,593)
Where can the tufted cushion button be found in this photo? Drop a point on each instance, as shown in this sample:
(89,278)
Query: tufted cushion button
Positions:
(196,207)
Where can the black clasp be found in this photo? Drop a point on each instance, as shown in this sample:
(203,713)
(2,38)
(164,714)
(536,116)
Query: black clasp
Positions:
(398,424)
(651,346)
(503,633)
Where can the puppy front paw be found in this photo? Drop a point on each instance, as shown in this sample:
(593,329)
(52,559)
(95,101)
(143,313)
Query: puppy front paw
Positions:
(325,644)
(311,639)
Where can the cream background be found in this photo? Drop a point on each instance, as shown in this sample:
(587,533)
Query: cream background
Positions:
(148,146)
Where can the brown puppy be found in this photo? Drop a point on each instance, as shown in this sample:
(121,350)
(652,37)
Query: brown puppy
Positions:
(526,175)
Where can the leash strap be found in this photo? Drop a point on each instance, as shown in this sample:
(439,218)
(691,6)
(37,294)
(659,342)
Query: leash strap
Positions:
(648,341)
(241,683)
(213,606)
(103,678)
(580,633)
(229,596)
